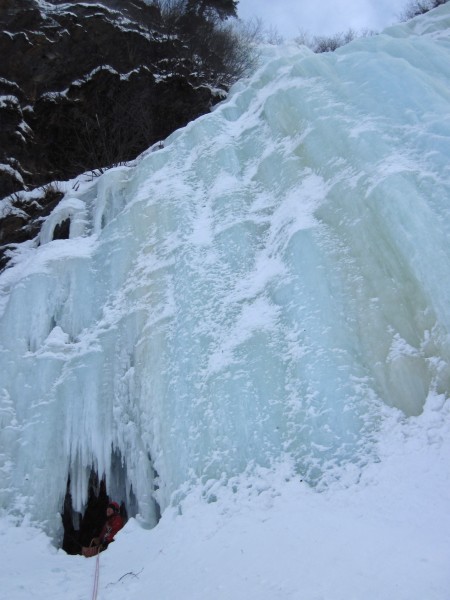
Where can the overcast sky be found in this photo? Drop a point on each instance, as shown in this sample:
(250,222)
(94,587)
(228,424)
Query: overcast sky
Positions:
(319,17)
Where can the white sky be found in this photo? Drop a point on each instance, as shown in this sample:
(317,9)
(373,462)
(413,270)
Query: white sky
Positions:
(319,17)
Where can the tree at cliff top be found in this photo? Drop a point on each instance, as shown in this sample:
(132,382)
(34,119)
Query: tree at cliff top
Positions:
(419,7)
(222,8)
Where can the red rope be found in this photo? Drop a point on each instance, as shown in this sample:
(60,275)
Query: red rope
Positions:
(96,576)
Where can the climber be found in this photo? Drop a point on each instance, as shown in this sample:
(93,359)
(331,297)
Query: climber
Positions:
(114,523)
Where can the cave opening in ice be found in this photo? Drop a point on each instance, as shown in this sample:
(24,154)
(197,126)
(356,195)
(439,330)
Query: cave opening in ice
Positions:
(80,526)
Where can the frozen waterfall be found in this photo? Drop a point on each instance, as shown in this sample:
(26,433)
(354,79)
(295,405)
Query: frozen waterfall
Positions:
(261,290)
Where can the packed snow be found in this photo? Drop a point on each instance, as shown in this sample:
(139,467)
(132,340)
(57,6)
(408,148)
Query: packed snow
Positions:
(266,535)
(249,331)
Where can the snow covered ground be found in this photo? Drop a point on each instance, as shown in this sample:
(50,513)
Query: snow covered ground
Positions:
(385,537)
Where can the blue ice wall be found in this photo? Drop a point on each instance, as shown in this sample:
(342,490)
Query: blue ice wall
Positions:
(260,290)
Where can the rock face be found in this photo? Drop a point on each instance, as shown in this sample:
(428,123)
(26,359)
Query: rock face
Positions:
(85,85)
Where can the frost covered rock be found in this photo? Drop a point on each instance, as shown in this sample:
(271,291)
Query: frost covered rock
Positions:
(87,85)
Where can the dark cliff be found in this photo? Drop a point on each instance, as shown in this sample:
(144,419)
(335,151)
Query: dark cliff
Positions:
(83,86)
(87,85)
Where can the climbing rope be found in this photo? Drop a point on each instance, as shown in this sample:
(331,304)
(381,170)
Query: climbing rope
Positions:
(96,575)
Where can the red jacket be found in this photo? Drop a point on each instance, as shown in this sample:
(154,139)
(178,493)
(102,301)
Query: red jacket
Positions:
(113,524)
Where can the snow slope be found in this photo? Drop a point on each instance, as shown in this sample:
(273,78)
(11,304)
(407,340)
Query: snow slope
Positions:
(385,537)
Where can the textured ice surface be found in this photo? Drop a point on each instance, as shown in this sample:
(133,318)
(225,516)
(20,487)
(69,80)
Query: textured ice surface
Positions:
(259,289)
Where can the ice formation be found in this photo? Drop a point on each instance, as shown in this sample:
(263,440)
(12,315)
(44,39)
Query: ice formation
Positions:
(259,290)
